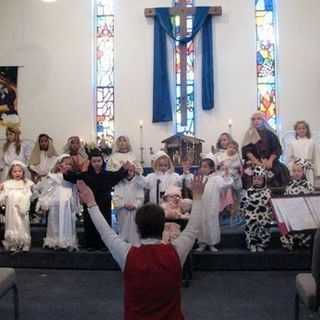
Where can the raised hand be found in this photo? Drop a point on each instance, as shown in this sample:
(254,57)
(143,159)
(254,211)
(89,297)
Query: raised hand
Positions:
(127,165)
(197,186)
(86,194)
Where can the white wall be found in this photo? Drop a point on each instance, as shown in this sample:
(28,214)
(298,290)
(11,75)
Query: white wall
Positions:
(54,43)
(299,62)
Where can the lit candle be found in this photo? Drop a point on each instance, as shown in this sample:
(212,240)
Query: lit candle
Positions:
(141,124)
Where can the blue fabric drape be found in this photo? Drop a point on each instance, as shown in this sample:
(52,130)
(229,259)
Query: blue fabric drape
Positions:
(207,66)
(162,110)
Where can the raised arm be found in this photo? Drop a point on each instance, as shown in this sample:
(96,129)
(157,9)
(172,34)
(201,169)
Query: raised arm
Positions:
(114,177)
(118,248)
(72,176)
(185,241)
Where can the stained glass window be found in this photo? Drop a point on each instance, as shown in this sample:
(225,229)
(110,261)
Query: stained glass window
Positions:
(189,128)
(105,69)
(266,73)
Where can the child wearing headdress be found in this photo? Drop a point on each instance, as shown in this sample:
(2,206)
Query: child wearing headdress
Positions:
(185,179)
(43,157)
(121,153)
(210,234)
(163,176)
(15,195)
(256,207)
(298,185)
(60,199)
(128,197)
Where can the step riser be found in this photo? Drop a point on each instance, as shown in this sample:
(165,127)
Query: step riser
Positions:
(222,260)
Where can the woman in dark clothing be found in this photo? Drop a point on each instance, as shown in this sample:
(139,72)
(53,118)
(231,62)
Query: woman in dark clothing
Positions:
(101,182)
(261,147)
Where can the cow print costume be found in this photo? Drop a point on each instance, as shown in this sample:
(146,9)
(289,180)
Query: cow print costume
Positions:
(256,207)
(297,239)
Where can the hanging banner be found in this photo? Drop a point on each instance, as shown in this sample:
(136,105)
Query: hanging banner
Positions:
(8,97)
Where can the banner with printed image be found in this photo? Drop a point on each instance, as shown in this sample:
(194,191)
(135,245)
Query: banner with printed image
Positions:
(8,97)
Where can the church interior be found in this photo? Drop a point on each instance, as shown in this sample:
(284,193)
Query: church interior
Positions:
(216,88)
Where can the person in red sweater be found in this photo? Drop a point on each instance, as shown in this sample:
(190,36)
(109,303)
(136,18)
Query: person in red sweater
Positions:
(152,272)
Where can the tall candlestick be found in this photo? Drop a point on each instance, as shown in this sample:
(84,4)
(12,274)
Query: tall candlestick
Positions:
(230,126)
(141,143)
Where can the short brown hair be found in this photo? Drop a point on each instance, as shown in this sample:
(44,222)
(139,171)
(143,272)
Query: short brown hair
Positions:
(150,220)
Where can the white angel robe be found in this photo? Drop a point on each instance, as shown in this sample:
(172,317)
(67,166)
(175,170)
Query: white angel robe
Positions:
(45,165)
(117,159)
(210,229)
(166,180)
(16,197)
(128,192)
(60,197)
(11,155)
(306,149)
(185,180)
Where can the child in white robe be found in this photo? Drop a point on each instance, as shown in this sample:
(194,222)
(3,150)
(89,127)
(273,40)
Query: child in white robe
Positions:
(128,197)
(60,198)
(43,157)
(16,194)
(304,147)
(13,149)
(121,153)
(210,234)
(185,179)
(163,176)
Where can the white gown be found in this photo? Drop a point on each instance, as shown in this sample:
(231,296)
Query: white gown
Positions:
(11,155)
(117,159)
(210,229)
(305,149)
(165,180)
(128,192)
(60,197)
(16,196)
(45,165)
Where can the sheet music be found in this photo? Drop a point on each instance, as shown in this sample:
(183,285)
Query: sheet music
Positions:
(314,205)
(295,213)
(277,210)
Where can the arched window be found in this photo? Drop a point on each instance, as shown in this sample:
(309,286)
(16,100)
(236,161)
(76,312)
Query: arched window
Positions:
(105,69)
(266,60)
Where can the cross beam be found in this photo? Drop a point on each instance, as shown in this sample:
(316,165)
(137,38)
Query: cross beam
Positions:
(213,11)
(183,10)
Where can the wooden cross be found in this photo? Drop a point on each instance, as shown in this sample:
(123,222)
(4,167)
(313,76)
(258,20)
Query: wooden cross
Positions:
(184,11)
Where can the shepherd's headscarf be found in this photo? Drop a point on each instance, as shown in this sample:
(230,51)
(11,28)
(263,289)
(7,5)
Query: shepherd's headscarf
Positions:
(35,154)
(252,135)
(115,147)
(82,150)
